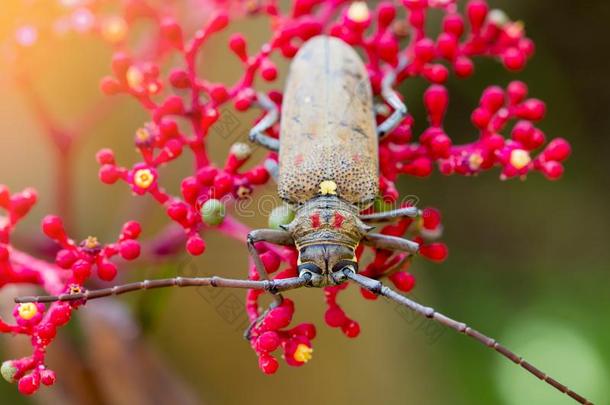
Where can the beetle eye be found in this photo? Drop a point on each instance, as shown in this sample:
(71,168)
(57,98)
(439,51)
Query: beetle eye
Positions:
(310,267)
(343,264)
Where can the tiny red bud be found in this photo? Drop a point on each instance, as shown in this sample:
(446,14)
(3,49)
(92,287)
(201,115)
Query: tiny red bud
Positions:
(107,271)
(558,149)
(403,281)
(463,66)
(513,59)
(53,227)
(47,377)
(268,341)
(268,364)
(492,98)
(268,70)
(477,12)
(424,50)
(237,43)
(129,249)
(218,23)
(437,252)
(110,86)
(453,24)
(553,170)
(179,78)
(351,329)
(195,245)
(131,230)
(386,12)
(172,32)
(517,91)
(436,99)
(29,384)
(65,258)
(335,317)
(105,156)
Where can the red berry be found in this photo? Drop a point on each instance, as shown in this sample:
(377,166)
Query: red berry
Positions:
(492,98)
(60,314)
(81,269)
(268,341)
(65,258)
(436,99)
(517,91)
(29,384)
(268,364)
(195,245)
(277,318)
(237,43)
(129,249)
(437,252)
(110,86)
(351,329)
(431,218)
(513,59)
(558,149)
(463,66)
(271,261)
(131,230)
(172,32)
(335,317)
(477,12)
(218,23)
(403,281)
(53,227)
(453,24)
(105,156)
(106,271)
(424,50)
(553,170)
(386,12)
(179,79)
(47,377)
(532,109)
(268,70)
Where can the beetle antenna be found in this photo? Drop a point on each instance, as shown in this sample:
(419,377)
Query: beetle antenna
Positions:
(378,288)
(273,286)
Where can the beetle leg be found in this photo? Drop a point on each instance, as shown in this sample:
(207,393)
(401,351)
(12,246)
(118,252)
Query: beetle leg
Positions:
(257,134)
(388,242)
(391,97)
(274,236)
(411,212)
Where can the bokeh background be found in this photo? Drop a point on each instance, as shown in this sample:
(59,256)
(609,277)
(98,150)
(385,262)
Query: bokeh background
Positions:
(529,261)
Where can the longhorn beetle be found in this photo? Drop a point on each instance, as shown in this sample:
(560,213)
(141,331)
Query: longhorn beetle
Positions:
(328,171)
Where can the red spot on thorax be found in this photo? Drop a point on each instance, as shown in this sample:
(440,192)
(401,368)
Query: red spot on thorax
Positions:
(298,160)
(315,220)
(338,220)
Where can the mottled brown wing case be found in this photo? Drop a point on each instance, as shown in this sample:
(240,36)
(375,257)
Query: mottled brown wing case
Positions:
(327,125)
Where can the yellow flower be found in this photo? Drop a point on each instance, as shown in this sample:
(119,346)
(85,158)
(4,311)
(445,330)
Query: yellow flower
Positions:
(303,353)
(358,11)
(143,178)
(328,187)
(27,311)
(519,158)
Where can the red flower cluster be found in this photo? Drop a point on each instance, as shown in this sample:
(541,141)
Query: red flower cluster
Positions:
(184,107)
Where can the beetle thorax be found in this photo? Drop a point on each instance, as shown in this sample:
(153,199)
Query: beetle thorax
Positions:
(327,220)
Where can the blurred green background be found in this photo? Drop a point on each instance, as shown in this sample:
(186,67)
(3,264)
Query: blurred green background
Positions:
(529,261)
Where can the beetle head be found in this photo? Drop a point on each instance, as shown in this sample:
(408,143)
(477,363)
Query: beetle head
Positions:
(323,261)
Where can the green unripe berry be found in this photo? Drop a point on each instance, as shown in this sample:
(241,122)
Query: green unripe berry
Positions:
(281,215)
(212,212)
(8,371)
